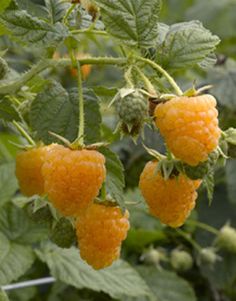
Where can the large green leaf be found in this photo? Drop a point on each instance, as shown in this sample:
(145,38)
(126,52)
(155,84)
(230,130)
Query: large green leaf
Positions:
(56,9)
(7,111)
(115,175)
(185,44)
(3,296)
(4,4)
(167,286)
(15,260)
(56,110)
(32,8)
(134,22)
(28,29)
(8,183)
(18,227)
(119,279)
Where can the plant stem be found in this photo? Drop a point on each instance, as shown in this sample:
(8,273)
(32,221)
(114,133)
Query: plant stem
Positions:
(81,106)
(170,79)
(24,133)
(69,11)
(127,76)
(203,226)
(189,239)
(149,86)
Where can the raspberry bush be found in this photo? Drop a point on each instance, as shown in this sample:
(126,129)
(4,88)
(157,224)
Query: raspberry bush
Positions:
(117,147)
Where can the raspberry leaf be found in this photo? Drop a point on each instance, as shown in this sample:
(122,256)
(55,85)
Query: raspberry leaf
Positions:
(8,183)
(185,44)
(209,184)
(133,22)
(4,5)
(3,296)
(7,111)
(56,9)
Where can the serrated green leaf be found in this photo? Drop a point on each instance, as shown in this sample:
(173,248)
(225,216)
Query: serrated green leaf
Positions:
(17,259)
(67,266)
(7,111)
(28,29)
(223,79)
(209,183)
(18,227)
(167,286)
(186,44)
(32,8)
(115,175)
(4,4)
(56,110)
(134,22)
(8,183)
(231,179)
(56,10)
(3,296)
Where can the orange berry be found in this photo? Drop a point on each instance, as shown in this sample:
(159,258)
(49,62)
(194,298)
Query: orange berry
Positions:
(189,126)
(85,70)
(28,170)
(170,200)
(73,178)
(100,232)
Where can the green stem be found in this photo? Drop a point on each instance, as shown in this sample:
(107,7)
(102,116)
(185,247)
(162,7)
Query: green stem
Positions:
(81,106)
(170,79)
(24,133)
(69,11)
(189,239)
(203,226)
(128,76)
(89,31)
(149,86)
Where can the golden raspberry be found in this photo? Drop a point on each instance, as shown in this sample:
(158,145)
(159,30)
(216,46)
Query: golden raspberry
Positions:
(100,232)
(170,200)
(189,126)
(28,170)
(73,178)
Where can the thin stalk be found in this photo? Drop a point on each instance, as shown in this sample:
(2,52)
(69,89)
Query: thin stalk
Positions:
(69,11)
(203,226)
(189,239)
(148,85)
(170,79)
(81,106)
(24,133)
(128,76)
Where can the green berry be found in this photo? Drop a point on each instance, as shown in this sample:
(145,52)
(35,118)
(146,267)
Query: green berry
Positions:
(3,68)
(181,260)
(63,234)
(196,172)
(151,257)
(41,216)
(226,239)
(208,256)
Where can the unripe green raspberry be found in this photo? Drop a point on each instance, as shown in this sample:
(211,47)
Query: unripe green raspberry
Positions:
(181,260)
(3,68)
(152,257)
(226,239)
(208,256)
(41,216)
(132,109)
(196,172)
(63,234)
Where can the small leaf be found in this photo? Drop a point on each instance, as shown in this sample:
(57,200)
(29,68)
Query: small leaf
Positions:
(115,175)
(167,286)
(209,184)
(134,22)
(186,44)
(56,9)
(15,261)
(7,111)
(8,183)
(28,29)
(67,266)
(56,110)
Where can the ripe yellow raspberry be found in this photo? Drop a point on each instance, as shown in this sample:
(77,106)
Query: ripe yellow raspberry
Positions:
(28,170)
(189,126)
(170,200)
(73,178)
(100,232)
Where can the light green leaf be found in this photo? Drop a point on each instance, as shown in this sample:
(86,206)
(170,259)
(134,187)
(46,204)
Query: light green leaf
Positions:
(56,110)
(67,266)
(186,44)
(231,136)
(18,227)
(15,261)
(231,179)
(115,175)
(3,296)
(134,22)
(8,183)
(4,4)
(7,111)
(167,286)
(56,9)
(209,183)
(28,29)
(32,8)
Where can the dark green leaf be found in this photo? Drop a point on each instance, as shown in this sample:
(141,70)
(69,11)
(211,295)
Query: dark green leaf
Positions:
(8,183)
(134,22)
(210,184)
(56,9)
(4,4)
(7,111)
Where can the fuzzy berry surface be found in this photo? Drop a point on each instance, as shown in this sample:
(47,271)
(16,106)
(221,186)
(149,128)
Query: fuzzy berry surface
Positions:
(100,232)
(29,170)
(189,126)
(63,234)
(73,178)
(169,200)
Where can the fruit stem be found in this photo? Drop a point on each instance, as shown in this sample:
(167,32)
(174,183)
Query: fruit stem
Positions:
(203,226)
(170,79)
(24,133)
(148,85)
(189,239)
(127,77)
